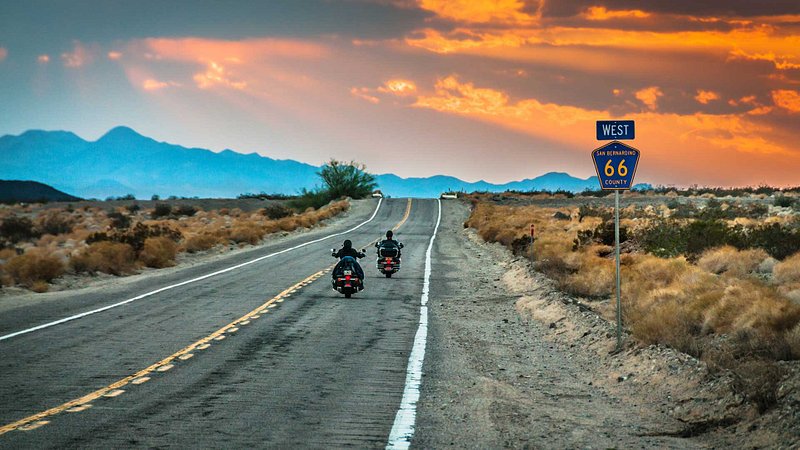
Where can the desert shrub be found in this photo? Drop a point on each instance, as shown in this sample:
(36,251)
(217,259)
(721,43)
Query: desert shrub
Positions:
(200,242)
(133,208)
(119,220)
(15,229)
(587,210)
(54,222)
(732,261)
(704,234)
(788,270)
(33,266)
(263,196)
(114,258)
(663,238)
(40,286)
(161,210)
(246,233)
(604,234)
(777,240)
(158,252)
(276,211)
(594,276)
(316,199)
(136,235)
(784,201)
(185,210)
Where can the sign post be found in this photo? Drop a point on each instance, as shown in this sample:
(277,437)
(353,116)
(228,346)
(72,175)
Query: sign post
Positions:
(533,232)
(616,165)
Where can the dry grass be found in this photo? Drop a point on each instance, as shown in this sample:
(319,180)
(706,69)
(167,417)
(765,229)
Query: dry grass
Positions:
(158,252)
(788,270)
(108,257)
(62,234)
(33,268)
(731,261)
(200,242)
(666,301)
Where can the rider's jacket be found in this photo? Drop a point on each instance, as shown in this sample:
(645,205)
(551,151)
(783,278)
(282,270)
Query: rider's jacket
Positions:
(348,252)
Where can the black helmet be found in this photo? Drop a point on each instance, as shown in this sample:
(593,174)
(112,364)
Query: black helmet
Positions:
(347,244)
(389,234)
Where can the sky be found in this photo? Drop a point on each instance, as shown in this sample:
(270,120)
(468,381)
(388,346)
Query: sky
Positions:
(497,90)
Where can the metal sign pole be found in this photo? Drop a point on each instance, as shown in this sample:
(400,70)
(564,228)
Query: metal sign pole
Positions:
(616,239)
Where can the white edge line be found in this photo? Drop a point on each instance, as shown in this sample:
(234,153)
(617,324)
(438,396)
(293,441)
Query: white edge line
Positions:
(403,427)
(183,283)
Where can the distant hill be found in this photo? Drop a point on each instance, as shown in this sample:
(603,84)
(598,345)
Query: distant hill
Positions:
(124,162)
(31,191)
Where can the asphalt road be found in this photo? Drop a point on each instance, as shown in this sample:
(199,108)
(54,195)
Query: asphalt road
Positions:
(289,361)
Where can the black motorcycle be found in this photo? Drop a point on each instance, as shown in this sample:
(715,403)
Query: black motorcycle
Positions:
(388,261)
(346,277)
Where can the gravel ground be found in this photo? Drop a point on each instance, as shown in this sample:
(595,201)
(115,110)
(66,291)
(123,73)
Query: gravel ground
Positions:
(514,363)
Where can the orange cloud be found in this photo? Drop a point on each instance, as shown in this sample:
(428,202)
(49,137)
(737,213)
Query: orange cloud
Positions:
(113,55)
(480,11)
(249,50)
(686,144)
(787,99)
(649,96)
(43,59)
(781,62)
(152,84)
(601,13)
(217,75)
(3,53)
(705,97)
(398,87)
(756,42)
(236,65)
(364,93)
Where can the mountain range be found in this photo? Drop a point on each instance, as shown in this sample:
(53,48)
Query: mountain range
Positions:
(124,162)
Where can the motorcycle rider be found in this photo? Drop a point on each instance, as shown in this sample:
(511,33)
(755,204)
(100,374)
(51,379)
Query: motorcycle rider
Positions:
(348,250)
(390,241)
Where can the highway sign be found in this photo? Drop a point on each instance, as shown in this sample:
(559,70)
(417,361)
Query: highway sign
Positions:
(615,164)
(615,130)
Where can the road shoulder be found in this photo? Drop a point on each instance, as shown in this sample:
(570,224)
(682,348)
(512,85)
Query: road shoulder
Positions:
(497,377)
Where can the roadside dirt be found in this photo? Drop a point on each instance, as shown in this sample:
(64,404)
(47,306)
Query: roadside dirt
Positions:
(512,362)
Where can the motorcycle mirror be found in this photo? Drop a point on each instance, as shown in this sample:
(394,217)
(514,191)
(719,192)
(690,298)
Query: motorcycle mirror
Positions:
(363,250)
(401,245)
(333,250)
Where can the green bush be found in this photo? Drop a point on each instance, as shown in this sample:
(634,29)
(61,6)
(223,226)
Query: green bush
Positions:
(276,211)
(603,234)
(15,229)
(136,235)
(119,220)
(784,201)
(346,180)
(669,238)
(316,199)
(780,242)
(185,210)
(161,210)
(54,222)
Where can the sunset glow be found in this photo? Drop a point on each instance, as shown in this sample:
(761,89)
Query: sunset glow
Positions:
(511,87)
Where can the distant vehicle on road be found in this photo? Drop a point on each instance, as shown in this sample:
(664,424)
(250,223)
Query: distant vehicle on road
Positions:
(377,193)
(449,195)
